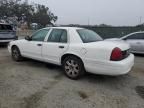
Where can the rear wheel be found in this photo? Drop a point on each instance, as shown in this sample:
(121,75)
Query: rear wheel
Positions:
(73,67)
(16,55)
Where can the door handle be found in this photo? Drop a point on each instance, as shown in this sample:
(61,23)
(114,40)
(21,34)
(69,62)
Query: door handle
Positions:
(39,44)
(61,46)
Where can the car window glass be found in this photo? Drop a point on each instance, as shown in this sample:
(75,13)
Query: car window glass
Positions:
(141,35)
(136,36)
(5,27)
(40,35)
(58,35)
(88,36)
(63,38)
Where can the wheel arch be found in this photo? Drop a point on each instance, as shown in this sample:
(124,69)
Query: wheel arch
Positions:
(70,54)
(13,46)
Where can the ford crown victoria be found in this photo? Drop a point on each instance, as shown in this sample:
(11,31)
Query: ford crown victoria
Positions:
(77,50)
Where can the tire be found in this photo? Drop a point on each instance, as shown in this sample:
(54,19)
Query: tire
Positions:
(73,67)
(16,55)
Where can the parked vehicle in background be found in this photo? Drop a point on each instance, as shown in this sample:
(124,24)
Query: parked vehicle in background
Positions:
(7,33)
(77,50)
(136,41)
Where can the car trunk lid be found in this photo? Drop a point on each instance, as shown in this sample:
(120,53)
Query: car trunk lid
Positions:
(110,44)
(103,49)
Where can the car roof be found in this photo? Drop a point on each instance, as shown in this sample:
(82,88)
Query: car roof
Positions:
(4,24)
(66,28)
(135,32)
(131,34)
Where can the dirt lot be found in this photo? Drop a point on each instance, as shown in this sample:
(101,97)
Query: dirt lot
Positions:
(32,84)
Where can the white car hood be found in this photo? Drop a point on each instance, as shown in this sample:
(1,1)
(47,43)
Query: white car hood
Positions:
(18,41)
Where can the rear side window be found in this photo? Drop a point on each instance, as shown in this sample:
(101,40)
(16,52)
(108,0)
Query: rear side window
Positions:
(136,36)
(5,27)
(40,35)
(88,36)
(58,35)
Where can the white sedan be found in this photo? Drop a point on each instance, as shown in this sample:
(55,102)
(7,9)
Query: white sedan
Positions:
(77,50)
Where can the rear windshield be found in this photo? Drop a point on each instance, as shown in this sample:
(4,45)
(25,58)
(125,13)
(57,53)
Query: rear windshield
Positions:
(88,36)
(5,27)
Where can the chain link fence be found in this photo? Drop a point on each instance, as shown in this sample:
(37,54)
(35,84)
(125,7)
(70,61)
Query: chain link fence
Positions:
(114,32)
(23,33)
(105,32)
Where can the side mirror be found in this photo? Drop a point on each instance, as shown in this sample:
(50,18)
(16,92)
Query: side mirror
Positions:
(124,39)
(28,38)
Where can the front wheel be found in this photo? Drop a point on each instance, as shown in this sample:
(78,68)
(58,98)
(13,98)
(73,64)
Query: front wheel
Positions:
(73,67)
(16,55)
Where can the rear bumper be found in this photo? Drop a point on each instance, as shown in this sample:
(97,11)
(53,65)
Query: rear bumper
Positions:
(113,68)
(8,40)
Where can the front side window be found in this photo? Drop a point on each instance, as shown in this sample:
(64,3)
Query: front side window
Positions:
(136,36)
(40,35)
(58,35)
(88,36)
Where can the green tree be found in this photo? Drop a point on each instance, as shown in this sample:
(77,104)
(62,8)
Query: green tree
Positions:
(42,15)
(34,13)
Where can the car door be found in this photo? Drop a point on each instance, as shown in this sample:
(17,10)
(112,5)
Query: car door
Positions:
(141,42)
(55,46)
(33,48)
(135,41)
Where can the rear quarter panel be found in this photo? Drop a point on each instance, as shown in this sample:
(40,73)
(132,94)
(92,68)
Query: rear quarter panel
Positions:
(99,52)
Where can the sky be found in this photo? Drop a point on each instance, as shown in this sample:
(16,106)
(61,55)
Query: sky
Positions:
(95,12)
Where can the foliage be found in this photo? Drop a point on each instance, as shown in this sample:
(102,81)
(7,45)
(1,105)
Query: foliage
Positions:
(36,13)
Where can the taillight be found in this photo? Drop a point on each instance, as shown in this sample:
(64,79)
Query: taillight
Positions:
(116,54)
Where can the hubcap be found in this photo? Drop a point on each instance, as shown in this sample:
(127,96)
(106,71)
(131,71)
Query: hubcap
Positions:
(15,53)
(72,68)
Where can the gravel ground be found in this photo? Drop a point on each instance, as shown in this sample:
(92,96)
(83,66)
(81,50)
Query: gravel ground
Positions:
(32,84)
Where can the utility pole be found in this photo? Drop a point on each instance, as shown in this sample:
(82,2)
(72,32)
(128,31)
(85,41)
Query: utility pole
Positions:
(88,21)
(140,20)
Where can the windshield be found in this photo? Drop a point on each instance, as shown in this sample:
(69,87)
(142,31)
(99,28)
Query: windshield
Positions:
(5,27)
(88,36)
